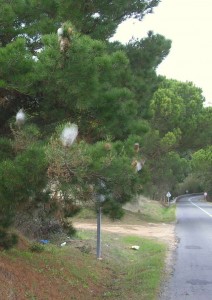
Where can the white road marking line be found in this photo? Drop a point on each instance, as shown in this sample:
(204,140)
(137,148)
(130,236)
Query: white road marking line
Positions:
(200,208)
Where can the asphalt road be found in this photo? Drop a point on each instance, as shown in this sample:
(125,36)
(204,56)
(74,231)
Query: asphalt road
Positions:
(192,266)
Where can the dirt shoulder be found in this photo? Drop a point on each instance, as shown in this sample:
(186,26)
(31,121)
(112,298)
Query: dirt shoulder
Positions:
(134,223)
(163,232)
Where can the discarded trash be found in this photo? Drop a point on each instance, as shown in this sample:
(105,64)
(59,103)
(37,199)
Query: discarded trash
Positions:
(63,244)
(44,241)
(135,247)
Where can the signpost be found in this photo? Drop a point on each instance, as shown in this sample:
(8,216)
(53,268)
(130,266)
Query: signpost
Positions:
(168,195)
(101,199)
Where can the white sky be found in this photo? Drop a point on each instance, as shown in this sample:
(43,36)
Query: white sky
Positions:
(188,23)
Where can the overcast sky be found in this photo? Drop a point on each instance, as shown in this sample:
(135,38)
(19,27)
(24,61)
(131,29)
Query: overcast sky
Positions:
(188,23)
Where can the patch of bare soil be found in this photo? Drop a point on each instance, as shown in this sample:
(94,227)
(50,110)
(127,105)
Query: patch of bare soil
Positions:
(163,232)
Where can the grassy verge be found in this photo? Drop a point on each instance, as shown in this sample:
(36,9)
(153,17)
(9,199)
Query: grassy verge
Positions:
(152,211)
(73,272)
(137,274)
(57,273)
(160,214)
(69,273)
(148,212)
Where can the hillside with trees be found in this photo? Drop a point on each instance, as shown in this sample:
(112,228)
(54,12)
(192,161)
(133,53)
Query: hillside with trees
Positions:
(83,119)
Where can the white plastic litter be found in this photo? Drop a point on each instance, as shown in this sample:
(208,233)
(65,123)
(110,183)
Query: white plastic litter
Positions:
(135,247)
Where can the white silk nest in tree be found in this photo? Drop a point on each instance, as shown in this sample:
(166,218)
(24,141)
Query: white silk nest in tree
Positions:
(95,15)
(69,134)
(20,117)
(138,166)
(60,31)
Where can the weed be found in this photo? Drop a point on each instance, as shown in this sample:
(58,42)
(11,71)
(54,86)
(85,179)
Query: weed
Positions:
(30,296)
(36,247)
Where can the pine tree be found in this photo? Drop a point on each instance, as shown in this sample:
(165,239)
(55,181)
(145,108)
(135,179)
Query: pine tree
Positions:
(58,66)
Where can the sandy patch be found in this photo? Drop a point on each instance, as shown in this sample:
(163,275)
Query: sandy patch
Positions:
(163,232)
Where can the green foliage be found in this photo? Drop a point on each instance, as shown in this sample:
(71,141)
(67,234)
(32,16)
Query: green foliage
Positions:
(191,184)
(22,177)
(203,131)
(16,65)
(84,171)
(177,105)
(71,231)
(88,85)
(144,56)
(113,209)
(170,140)
(166,167)
(202,167)
(110,91)
(32,159)
(24,137)
(36,247)
(7,240)
(6,150)
(110,14)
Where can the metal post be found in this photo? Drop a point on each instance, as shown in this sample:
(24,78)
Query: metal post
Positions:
(98,248)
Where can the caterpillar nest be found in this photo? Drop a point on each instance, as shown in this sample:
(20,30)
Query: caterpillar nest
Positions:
(107,146)
(136,147)
(64,44)
(64,38)
(138,165)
